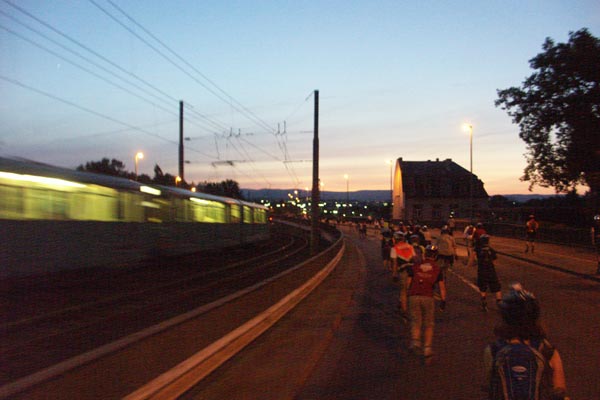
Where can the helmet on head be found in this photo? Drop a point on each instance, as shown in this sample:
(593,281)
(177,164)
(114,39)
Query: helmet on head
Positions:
(519,307)
(484,240)
(431,251)
(399,236)
(479,225)
(415,239)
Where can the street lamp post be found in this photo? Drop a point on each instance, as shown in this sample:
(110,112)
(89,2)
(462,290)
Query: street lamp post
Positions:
(139,155)
(347,178)
(469,127)
(391,162)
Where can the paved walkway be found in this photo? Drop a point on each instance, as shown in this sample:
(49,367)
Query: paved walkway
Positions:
(347,340)
(573,260)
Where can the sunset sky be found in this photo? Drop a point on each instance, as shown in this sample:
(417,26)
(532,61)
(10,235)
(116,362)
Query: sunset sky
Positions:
(85,79)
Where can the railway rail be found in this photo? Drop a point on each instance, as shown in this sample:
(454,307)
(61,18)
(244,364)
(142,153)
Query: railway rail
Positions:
(87,319)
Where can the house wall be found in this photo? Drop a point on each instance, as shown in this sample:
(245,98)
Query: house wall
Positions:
(433,198)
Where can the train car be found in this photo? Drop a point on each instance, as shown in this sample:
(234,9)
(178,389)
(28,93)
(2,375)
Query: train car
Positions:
(54,218)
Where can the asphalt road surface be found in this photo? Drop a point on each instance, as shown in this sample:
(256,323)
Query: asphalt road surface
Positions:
(347,341)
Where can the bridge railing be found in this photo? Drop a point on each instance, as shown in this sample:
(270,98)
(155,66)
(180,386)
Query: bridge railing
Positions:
(559,235)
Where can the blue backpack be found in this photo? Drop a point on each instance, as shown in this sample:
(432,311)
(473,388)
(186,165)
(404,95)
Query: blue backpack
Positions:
(518,372)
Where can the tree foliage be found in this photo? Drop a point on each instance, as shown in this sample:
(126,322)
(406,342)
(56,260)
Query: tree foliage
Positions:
(167,179)
(228,188)
(105,166)
(558,113)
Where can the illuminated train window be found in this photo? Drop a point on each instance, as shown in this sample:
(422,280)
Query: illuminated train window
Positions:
(236,215)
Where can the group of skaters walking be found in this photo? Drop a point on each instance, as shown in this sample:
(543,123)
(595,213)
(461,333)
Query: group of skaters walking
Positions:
(521,363)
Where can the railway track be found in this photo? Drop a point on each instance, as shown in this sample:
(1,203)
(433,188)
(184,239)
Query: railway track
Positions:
(81,315)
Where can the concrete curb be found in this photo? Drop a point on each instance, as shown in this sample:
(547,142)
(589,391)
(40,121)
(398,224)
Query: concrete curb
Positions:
(182,377)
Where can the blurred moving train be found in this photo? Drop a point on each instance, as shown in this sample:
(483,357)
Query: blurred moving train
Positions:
(54,218)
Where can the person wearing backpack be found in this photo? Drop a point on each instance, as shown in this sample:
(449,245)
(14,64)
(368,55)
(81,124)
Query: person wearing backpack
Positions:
(486,271)
(522,364)
(402,255)
(415,242)
(386,245)
(423,276)
(446,250)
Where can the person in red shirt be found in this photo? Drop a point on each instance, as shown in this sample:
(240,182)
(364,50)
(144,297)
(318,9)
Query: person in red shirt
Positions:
(422,278)
(402,255)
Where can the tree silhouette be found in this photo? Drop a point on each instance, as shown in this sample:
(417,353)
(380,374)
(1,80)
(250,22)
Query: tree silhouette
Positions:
(105,166)
(228,188)
(558,113)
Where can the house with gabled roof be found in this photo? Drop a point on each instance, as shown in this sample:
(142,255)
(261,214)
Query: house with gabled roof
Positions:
(432,191)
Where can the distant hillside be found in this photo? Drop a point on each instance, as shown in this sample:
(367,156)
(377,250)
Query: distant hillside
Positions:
(360,195)
(281,194)
(523,198)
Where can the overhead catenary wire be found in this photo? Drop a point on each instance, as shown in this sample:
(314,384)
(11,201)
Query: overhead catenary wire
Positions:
(169,102)
(78,43)
(243,110)
(96,113)
(33,43)
(245,154)
(232,102)
(215,127)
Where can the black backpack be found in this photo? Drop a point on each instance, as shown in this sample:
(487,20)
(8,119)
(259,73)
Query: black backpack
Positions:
(518,372)
(486,256)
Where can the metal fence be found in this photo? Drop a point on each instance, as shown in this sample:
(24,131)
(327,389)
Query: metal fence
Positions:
(567,236)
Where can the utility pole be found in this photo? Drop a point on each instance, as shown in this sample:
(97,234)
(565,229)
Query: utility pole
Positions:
(181,140)
(314,231)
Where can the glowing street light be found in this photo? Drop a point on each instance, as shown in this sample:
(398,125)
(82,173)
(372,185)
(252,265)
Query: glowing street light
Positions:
(347,178)
(177,180)
(139,155)
(469,128)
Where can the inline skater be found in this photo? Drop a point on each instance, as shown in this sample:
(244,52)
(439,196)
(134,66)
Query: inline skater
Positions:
(422,278)
(468,237)
(451,225)
(479,230)
(402,255)
(486,272)
(426,235)
(386,246)
(446,250)
(415,242)
(522,363)
(531,227)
